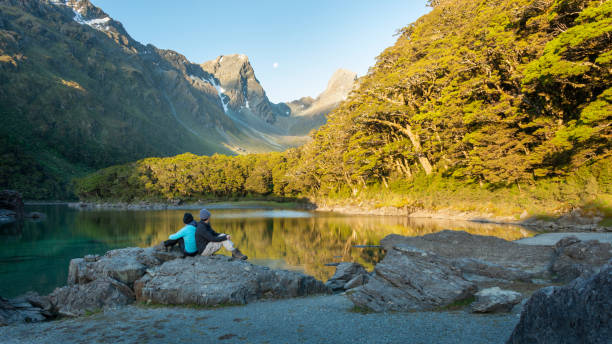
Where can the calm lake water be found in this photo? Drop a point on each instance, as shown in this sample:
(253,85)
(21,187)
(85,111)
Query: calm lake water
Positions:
(36,256)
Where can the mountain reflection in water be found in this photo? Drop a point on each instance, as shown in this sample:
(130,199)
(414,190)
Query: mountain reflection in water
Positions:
(278,238)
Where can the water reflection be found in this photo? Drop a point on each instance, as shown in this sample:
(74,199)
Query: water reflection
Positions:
(37,258)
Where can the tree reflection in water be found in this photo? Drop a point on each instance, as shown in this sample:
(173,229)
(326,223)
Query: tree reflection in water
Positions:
(37,257)
(294,240)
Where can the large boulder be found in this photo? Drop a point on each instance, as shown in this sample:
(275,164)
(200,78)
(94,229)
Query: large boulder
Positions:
(580,312)
(354,273)
(124,265)
(483,256)
(80,299)
(495,300)
(220,280)
(575,258)
(411,279)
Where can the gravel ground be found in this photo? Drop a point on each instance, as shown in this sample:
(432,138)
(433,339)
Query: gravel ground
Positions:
(552,238)
(320,319)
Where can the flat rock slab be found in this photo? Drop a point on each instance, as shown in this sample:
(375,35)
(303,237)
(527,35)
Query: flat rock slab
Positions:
(551,239)
(532,259)
(410,279)
(220,280)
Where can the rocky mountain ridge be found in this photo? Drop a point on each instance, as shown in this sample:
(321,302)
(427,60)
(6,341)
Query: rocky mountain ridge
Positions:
(246,102)
(78,93)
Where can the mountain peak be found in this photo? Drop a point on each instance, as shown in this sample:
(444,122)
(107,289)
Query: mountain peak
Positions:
(341,83)
(233,58)
(86,13)
(236,75)
(229,65)
(339,86)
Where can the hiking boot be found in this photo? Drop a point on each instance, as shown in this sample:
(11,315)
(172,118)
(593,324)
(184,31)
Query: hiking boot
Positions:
(238,255)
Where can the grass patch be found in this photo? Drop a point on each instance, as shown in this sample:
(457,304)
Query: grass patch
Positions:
(607,222)
(91,312)
(361,310)
(459,304)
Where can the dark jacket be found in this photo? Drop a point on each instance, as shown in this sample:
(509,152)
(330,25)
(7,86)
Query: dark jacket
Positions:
(205,234)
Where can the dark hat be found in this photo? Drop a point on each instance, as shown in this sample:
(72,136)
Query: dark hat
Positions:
(204,214)
(187,218)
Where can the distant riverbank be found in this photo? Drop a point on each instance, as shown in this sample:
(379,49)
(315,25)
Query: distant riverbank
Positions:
(575,220)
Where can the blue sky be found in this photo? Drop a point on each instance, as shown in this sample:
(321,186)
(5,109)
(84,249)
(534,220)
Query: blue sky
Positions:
(294,46)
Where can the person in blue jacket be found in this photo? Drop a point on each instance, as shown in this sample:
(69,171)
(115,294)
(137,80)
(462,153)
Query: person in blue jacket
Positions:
(185,237)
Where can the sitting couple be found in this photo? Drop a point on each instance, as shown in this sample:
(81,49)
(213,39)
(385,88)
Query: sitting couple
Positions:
(199,238)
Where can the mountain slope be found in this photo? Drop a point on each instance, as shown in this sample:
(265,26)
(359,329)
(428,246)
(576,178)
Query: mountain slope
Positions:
(77,93)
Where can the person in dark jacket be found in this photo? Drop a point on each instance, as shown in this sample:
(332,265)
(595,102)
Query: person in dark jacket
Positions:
(208,241)
(185,237)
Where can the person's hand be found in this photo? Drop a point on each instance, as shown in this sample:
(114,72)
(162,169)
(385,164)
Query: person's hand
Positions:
(229,237)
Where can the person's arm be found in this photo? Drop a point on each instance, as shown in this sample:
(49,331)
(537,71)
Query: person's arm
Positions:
(178,234)
(212,237)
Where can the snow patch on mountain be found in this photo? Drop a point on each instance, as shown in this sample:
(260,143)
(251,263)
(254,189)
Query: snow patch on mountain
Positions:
(96,23)
(220,90)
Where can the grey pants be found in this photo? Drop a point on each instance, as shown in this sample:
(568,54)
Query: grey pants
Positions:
(213,247)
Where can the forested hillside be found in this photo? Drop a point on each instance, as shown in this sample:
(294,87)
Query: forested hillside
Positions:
(512,98)
(78,93)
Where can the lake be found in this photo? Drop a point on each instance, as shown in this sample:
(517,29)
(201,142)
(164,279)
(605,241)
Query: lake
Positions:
(35,256)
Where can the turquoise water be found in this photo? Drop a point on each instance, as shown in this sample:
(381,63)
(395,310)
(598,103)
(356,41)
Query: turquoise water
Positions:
(35,255)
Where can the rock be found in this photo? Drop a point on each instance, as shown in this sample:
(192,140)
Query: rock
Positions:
(124,265)
(410,279)
(495,300)
(36,215)
(479,270)
(7,216)
(345,272)
(356,281)
(219,280)
(40,301)
(26,308)
(11,200)
(80,299)
(486,256)
(90,258)
(580,312)
(575,258)
(163,256)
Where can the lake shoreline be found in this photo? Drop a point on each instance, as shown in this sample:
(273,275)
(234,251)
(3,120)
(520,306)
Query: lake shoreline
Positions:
(573,221)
